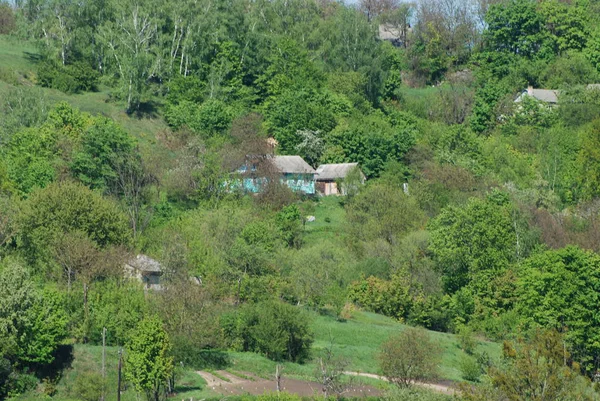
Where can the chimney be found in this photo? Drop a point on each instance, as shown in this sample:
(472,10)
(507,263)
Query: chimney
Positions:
(530,90)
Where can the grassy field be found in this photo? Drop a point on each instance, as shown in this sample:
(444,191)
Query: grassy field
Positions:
(356,340)
(19,58)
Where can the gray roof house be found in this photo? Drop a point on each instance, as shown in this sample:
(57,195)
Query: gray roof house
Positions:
(328,176)
(293,171)
(146,270)
(549,96)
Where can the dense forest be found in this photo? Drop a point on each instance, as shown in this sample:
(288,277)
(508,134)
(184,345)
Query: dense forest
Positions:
(479,217)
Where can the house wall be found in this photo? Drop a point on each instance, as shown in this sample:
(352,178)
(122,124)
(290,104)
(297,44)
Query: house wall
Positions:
(300,182)
(296,182)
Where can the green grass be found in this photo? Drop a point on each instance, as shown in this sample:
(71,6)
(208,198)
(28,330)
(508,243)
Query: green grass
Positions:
(326,208)
(357,340)
(20,57)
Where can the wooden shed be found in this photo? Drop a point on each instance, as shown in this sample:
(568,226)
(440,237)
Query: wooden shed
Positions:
(330,175)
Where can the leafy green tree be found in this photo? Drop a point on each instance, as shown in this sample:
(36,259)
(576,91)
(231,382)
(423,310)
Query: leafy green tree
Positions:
(384,212)
(66,207)
(409,357)
(32,322)
(537,368)
(556,290)
(588,159)
(148,365)
(473,243)
(278,330)
(517,27)
(103,146)
(289,221)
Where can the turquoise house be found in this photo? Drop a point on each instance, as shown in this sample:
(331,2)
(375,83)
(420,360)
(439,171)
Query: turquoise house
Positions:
(292,171)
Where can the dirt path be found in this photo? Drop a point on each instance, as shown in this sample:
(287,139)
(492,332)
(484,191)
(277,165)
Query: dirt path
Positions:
(440,388)
(250,384)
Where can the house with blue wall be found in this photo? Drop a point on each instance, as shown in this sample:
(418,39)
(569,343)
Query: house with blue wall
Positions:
(292,171)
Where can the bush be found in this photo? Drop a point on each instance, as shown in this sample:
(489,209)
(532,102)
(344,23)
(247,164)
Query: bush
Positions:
(88,386)
(466,339)
(470,369)
(7,19)
(408,357)
(73,78)
(278,330)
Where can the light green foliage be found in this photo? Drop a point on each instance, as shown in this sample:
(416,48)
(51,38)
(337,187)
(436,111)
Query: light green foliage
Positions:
(470,369)
(371,141)
(289,221)
(473,243)
(31,158)
(148,365)
(383,211)
(391,298)
(518,28)
(557,290)
(44,328)
(32,322)
(408,357)
(534,369)
(588,160)
(64,207)
(211,118)
(21,107)
(118,308)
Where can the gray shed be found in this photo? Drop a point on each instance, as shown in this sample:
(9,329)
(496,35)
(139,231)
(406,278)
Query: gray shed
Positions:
(549,96)
(328,176)
(146,270)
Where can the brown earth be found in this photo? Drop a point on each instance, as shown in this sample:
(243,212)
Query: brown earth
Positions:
(250,384)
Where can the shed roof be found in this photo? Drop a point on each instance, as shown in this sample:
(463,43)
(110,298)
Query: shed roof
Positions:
(145,263)
(292,164)
(329,172)
(543,95)
(593,86)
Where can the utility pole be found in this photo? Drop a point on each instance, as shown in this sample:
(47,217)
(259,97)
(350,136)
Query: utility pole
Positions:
(119,375)
(103,362)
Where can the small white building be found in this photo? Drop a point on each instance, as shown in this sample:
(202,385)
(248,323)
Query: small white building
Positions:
(146,270)
(548,96)
(330,175)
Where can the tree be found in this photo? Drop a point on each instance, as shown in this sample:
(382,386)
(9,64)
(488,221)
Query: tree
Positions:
(535,368)
(476,240)
(409,357)
(517,27)
(32,322)
(383,211)
(556,290)
(7,19)
(588,159)
(148,365)
(67,207)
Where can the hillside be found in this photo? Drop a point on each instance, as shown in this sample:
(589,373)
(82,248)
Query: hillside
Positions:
(229,187)
(356,339)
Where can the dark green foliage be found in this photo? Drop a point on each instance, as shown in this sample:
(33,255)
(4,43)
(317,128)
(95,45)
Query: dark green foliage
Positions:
(210,119)
(371,141)
(106,152)
(278,330)
(289,221)
(73,78)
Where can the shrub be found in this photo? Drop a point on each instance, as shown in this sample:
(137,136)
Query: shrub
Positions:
(88,386)
(470,369)
(278,330)
(408,357)
(72,78)
(466,339)
(7,19)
